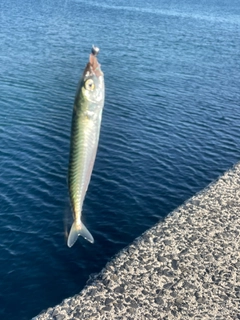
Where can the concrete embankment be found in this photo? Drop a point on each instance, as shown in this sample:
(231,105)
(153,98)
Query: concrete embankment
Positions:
(185,267)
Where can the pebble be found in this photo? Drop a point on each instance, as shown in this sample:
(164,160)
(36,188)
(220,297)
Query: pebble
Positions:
(175,264)
(134,304)
(114,277)
(167,285)
(108,301)
(119,290)
(167,242)
(161,259)
(59,317)
(173,294)
(159,300)
(107,308)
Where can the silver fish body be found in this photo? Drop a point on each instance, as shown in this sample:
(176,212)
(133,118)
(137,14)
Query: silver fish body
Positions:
(86,123)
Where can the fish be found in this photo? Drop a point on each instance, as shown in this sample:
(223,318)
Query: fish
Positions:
(85,131)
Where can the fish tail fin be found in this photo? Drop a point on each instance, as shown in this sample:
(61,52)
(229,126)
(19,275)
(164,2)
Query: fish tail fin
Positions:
(78,230)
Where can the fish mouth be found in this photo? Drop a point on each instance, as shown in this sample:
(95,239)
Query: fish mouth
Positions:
(93,67)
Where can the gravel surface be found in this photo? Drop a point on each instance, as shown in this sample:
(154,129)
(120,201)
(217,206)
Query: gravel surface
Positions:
(185,267)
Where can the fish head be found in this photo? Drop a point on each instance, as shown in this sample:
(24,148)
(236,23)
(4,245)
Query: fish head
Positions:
(93,81)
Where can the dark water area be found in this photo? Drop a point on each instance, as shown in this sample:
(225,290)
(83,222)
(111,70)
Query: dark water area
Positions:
(170,126)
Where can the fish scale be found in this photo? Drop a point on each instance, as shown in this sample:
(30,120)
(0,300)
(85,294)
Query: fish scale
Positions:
(84,146)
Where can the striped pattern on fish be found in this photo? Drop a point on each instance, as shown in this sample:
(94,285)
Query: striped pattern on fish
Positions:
(86,123)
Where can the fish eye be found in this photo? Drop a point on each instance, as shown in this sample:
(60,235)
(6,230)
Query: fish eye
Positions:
(89,85)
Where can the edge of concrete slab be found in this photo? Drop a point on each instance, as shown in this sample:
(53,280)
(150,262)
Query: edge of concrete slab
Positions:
(185,267)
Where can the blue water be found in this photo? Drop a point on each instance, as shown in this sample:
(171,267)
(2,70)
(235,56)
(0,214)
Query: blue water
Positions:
(170,126)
